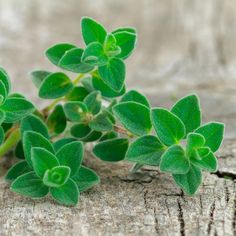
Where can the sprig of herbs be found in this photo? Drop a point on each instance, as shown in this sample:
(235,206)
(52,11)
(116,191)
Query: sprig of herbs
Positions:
(95,107)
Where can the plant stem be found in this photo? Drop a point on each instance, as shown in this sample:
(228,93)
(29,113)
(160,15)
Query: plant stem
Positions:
(10,142)
(121,130)
(136,167)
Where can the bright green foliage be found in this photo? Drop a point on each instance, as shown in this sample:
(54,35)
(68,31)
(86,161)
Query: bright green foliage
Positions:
(77,94)
(80,130)
(2,135)
(101,123)
(134,116)
(93,102)
(112,150)
(38,76)
(75,111)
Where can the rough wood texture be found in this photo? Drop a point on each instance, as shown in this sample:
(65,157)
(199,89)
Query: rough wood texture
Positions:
(184,46)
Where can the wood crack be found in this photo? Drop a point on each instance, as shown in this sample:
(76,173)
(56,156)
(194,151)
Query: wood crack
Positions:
(234,217)
(181,219)
(225,174)
(211,215)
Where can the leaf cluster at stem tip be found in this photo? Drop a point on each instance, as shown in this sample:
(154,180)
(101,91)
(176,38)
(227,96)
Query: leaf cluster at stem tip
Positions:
(95,106)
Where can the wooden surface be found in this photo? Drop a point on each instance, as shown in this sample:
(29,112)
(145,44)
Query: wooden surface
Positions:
(184,46)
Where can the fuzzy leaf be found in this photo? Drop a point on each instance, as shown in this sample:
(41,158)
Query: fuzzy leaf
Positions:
(189,182)
(55,85)
(75,111)
(71,155)
(3,92)
(125,29)
(42,160)
(113,73)
(4,77)
(16,109)
(77,94)
(19,151)
(146,150)
(71,61)
(38,76)
(213,133)
(134,117)
(18,169)
(188,110)
(80,130)
(112,150)
(29,185)
(92,31)
(56,52)
(135,96)
(194,141)
(67,194)
(169,128)
(101,123)
(93,102)
(110,47)
(85,178)
(61,142)
(2,117)
(174,160)
(109,135)
(92,136)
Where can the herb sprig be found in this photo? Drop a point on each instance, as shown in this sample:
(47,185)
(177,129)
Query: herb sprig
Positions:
(95,107)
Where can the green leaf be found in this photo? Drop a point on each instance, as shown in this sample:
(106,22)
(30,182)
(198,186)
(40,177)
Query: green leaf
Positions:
(71,155)
(126,41)
(113,74)
(92,31)
(106,91)
(42,160)
(67,194)
(110,47)
(75,111)
(86,178)
(213,133)
(94,55)
(56,121)
(55,85)
(189,182)
(87,83)
(169,128)
(71,61)
(19,151)
(134,117)
(77,94)
(33,123)
(135,96)
(57,176)
(16,109)
(101,123)
(2,117)
(146,150)
(18,169)
(32,139)
(2,135)
(174,161)
(123,29)
(206,161)
(29,185)
(109,135)
(112,150)
(5,79)
(38,76)
(188,110)
(93,102)
(61,142)
(80,130)
(92,136)
(57,51)
(194,141)
(3,92)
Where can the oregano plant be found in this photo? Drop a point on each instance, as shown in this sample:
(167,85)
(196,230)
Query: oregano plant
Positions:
(96,107)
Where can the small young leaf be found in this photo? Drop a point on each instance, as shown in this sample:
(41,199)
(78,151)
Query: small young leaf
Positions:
(38,76)
(101,123)
(5,79)
(56,52)
(112,150)
(71,61)
(106,91)
(94,55)
(92,31)
(71,155)
(61,142)
(213,133)
(110,47)
(16,109)
(56,121)
(87,83)
(32,139)
(42,160)
(29,185)
(77,94)
(3,92)
(55,85)
(191,181)
(109,135)
(67,194)
(169,128)
(75,111)
(174,161)
(146,150)
(135,96)
(85,178)
(194,141)
(188,110)
(126,41)
(113,74)
(92,136)
(18,169)
(33,123)
(57,176)
(134,117)
(80,130)
(93,102)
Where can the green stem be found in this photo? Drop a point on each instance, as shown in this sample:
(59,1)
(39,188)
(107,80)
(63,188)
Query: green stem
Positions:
(10,142)
(136,167)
